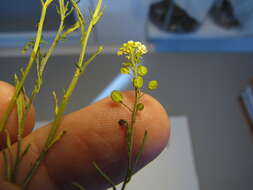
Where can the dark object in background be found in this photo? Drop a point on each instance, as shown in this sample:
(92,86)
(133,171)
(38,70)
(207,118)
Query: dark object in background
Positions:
(223,14)
(169,17)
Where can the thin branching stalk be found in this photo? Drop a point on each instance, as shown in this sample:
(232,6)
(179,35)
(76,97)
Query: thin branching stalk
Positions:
(6,165)
(126,106)
(133,52)
(106,177)
(9,156)
(78,186)
(40,70)
(80,68)
(130,135)
(19,87)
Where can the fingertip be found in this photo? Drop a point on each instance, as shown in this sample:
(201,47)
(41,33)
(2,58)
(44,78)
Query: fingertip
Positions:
(94,135)
(155,120)
(6,93)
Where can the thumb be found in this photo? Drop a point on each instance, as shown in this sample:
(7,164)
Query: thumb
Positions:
(8,186)
(94,135)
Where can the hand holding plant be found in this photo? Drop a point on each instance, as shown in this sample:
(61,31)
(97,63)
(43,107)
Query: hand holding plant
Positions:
(93,134)
(93,148)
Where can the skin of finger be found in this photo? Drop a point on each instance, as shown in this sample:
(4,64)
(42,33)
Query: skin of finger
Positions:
(94,135)
(6,93)
(8,186)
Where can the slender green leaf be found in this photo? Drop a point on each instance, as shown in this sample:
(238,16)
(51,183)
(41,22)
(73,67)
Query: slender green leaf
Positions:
(6,165)
(20,106)
(78,186)
(106,177)
(8,140)
(139,154)
(57,138)
(56,109)
(25,151)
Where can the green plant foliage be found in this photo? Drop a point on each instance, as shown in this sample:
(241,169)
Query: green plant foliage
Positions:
(132,51)
(140,106)
(116,96)
(152,85)
(142,70)
(64,9)
(138,82)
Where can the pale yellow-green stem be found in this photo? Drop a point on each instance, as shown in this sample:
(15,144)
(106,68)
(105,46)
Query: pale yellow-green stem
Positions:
(19,87)
(77,73)
(79,70)
(130,131)
(37,88)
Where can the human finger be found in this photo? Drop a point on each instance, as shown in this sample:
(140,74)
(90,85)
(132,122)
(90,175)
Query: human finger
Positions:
(6,93)
(94,135)
(8,186)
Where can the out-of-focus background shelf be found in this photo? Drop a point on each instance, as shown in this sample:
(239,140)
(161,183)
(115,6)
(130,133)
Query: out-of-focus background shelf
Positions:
(208,38)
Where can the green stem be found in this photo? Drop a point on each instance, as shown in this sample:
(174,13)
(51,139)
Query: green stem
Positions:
(104,175)
(126,106)
(33,169)
(77,73)
(35,91)
(131,127)
(133,119)
(9,156)
(28,68)
(78,186)
(139,154)
(130,143)
(67,95)
(6,165)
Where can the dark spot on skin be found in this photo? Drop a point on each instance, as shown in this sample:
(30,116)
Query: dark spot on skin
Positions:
(123,123)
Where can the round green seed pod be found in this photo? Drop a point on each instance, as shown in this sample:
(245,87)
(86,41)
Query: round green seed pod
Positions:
(116,96)
(140,106)
(138,82)
(152,85)
(142,70)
